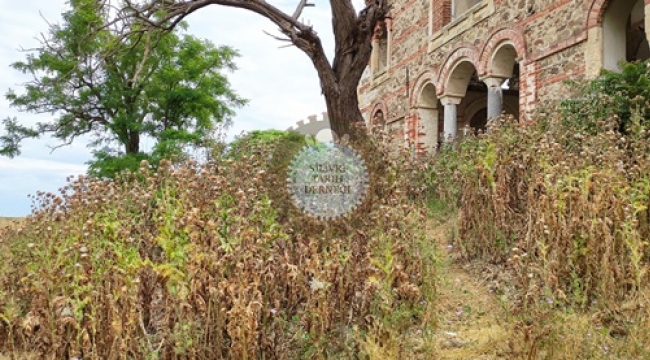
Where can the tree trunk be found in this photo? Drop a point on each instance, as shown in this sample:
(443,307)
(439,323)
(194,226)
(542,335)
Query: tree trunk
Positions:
(343,112)
(339,79)
(132,145)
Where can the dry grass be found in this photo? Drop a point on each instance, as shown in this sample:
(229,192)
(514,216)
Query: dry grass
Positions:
(212,261)
(548,258)
(9,221)
(473,322)
(477,318)
(18,357)
(563,217)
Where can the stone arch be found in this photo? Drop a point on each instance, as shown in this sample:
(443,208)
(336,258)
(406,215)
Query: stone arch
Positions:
(595,14)
(612,34)
(464,53)
(472,109)
(379,106)
(456,82)
(503,60)
(510,35)
(511,109)
(378,115)
(422,80)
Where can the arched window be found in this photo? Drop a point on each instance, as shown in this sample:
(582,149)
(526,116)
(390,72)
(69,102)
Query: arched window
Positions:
(378,122)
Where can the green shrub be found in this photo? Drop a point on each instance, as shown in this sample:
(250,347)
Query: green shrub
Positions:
(612,96)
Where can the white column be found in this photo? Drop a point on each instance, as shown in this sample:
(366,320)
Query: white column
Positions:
(451,116)
(495,96)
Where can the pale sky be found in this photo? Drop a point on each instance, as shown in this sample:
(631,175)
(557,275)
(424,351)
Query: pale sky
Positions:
(280,83)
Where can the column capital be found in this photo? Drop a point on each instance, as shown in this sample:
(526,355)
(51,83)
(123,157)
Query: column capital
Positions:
(450,99)
(492,81)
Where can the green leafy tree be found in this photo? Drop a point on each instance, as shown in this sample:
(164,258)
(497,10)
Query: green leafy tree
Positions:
(119,88)
(339,78)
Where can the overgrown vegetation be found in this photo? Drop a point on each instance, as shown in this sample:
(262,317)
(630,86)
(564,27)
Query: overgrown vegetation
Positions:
(211,261)
(561,206)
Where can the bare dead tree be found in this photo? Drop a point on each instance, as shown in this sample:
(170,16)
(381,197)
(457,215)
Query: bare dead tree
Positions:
(352,37)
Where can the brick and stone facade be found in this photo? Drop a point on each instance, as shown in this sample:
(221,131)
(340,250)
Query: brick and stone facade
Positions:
(442,67)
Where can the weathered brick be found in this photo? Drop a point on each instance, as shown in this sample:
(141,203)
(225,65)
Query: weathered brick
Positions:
(550,40)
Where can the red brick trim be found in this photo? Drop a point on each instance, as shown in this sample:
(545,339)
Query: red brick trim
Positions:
(462,51)
(561,77)
(363,88)
(422,80)
(386,97)
(557,47)
(528,88)
(410,30)
(595,12)
(545,12)
(406,6)
(378,106)
(441,13)
(511,34)
(410,58)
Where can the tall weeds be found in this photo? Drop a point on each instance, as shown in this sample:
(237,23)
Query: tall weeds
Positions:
(566,211)
(212,261)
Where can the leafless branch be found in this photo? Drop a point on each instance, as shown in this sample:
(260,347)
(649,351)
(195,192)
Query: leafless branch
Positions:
(145,56)
(301,6)
(352,35)
(276,37)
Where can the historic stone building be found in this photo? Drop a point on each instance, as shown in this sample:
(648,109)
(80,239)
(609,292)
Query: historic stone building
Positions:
(443,67)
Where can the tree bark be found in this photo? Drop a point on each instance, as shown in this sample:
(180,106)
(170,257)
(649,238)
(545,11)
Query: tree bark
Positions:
(352,38)
(343,112)
(132,145)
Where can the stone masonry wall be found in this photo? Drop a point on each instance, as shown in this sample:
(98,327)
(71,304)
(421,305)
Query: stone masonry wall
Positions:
(549,39)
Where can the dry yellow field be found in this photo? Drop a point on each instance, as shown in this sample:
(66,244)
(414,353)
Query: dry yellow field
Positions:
(8,221)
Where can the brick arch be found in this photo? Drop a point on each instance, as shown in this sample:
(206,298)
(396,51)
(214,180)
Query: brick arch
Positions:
(378,106)
(424,79)
(508,34)
(595,13)
(596,10)
(462,52)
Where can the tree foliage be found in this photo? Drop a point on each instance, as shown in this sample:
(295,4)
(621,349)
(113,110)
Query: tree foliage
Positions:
(119,88)
(352,32)
(261,138)
(277,147)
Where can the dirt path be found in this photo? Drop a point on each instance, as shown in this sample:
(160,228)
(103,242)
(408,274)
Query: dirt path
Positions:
(473,321)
